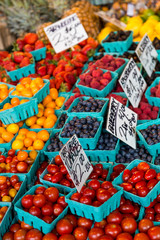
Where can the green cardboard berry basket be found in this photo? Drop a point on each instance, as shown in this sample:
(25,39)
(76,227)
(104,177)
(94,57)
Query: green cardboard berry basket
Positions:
(118,46)
(40,95)
(85,142)
(20,112)
(99,93)
(22,72)
(7,219)
(95,213)
(144,201)
(33,220)
(154,101)
(7,99)
(152,149)
(94,114)
(39,53)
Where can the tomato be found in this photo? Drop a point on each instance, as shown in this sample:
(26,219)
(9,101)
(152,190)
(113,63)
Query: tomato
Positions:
(143,166)
(154,233)
(88,192)
(157,218)
(94,184)
(84,222)
(11,152)
(64,226)
(48,177)
(51,194)
(52,168)
(144,225)
(35,211)
(106,185)
(158,176)
(115,217)
(104,173)
(65,182)
(124,236)
(14,179)
(20,234)
(76,196)
(8,236)
(57,177)
(137,176)
(119,168)
(80,233)
(151,184)
(95,233)
(34,234)
(126,208)
(152,203)
(61,200)
(150,174)
(47,210)
(17,186)
(50,236)
(26,226)
(113,229)
(98,170)
(135,169)
(93,175)
(85,200)
(15,227)
(22,167)
(58,160)
(129,225)
(113,176)
(39,200)
(157,208)
(149,210)
(2,159)
(66,237)
(136,211)
(8,159)
(27,201)
(63,169)
(47,219)
(40,190)
(102,195)
(3,186)
(101,224)
(127,186)
(141,236)
(143,191)
(72,219)
(96,204)
(140,184)
(106,237)
(57,209)
(149,216)
(126,175)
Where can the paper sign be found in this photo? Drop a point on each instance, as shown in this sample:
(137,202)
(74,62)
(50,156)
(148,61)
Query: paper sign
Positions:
(133,83)
(147,54)
(76,162)
(130,9)
(66,33)
(121,122)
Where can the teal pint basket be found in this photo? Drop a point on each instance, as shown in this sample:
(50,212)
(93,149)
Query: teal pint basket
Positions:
(87,143)
(144,201)
(95,213)
(93,114)
(2,150)
(33,220)
(21,72)
(107,166)
(142,212)
(40,95)
(7,219)
(7,99)
(99,93)
(119,46)
(39,53)
(20,112)
(154,101)
(152,149)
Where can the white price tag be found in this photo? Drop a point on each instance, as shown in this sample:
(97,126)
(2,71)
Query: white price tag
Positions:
(66,33)
(130,9)
(147,54)
(76,162)
(121,122)
(133,83)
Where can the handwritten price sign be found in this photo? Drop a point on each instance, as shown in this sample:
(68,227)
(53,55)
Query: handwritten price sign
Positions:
(76,162)
(133,83)
(121,122)
(66,33)
(147,54)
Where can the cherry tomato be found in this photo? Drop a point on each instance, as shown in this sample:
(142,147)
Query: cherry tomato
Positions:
(143,191)
(64,226)
(143,166)
(76,196)
(58,160)
(26,226)
(141,236)
(61,200)
(119,168)
(57,209)
(14,227)
(151,184)
(126,175)
(85,200)
(2,159)
(66,237)
(84,222)
(113,229)
(106,185)
(35,211)
(101,224)
(11,152)
(47,219)
(102,195)
(40,190)
(65,182)
(124,236)
(115,217)
(8,236)
(50,236)
(106,237)
(129,225)
(127,186)
(154,233)
(150,174)
(14,179)
(137,176)
(88,192)
(144,225)
(94,184)
(157,208)
(80,233)
(72,219)
(126,208)
(51,194)
(20,234)
(27,201)
(48,177)
(22,167)
(95,233)
(57,177)
(34,234)
(63,170)
(149,216)
(140,184)
(47,210)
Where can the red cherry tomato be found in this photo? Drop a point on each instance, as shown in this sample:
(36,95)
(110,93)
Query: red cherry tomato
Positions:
(34,234)
(14,227)
(124,236)
(94,184)
(95,233)
(27,201)
(64,226)
(141,236)
(106,185)
(35,211)
(50,236)
(20,234)
(47,210)
(144,225)
(53,168)
(39,200)
(61,200)
(113,229)
(143,166)
(150,174)
(129,225)
(126,175)
(51,194)
(115,217)
(80,233)
(102,195)
(58,160)
(143,191)
(154,233)
(40,190)
(84,222)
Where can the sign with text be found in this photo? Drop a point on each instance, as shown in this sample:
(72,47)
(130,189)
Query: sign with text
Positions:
(133,83)
(147,54)
(76,162)
(66,33)
(121,122)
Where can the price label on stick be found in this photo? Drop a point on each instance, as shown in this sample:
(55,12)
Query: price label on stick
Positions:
(147,54)
(76,162)
(66,33)
(133,83)
(121,122)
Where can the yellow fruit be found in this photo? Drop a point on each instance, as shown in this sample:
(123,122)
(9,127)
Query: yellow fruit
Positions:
(157,28)
(103,34)
(60,101)
(12,192)
(7,136)
(21,137)
(136,20)
(6,199)
(43,135)
(40,121)
(30,148)
(20,87)
(40,112)
(146,29)
(30,121)
(40,105)
(135,28)
(38,144)
(53,116)
(49,123)
(53,93)
(137,39)
(46,100)
(17,144)
(35,126)
(13,128)
(51,105)
(33,154)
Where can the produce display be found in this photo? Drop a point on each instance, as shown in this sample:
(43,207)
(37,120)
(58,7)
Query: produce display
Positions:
(46,98)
